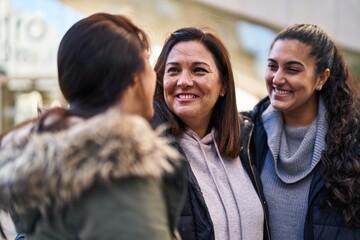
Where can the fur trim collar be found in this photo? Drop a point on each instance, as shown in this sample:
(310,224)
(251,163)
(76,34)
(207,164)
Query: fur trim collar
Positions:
(54,168)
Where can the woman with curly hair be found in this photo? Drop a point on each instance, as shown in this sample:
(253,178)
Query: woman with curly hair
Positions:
(305,140)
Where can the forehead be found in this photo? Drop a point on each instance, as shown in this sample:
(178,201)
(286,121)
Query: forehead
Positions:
(190,50)
(291,50)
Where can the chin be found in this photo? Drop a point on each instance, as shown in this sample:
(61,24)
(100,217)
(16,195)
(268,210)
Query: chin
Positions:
(149,115)
(278,105)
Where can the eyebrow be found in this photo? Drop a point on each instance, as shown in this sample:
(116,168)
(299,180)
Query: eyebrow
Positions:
(172,63)
(194,63)
(288,62)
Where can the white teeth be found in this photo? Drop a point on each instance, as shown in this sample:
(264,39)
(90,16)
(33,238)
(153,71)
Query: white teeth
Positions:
(187,96)
(281,91)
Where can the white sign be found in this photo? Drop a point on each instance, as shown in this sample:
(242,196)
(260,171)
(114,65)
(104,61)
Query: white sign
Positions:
(28,44)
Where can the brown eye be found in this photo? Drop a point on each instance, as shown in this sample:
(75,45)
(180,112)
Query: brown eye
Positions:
(200,70)
(272,66)
(292,70)
(172,71)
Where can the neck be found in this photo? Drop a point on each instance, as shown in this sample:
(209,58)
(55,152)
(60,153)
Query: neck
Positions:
(200,129)
(300,118)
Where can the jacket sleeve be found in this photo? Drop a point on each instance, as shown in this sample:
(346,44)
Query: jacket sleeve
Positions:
(133,208)
(175,192)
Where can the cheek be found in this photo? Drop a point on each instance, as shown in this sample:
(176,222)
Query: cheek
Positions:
(153,87)
(210,85)
(150,86)
(153,80)
(168,85)
(268,77)
(268,80)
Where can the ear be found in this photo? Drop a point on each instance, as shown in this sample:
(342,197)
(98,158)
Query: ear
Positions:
(323,79)
(222,92)
(136,79)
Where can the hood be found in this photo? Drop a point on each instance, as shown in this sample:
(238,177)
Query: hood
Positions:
(39,169)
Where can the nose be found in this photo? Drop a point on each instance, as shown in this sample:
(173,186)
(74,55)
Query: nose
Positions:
(185,80)
(278,78)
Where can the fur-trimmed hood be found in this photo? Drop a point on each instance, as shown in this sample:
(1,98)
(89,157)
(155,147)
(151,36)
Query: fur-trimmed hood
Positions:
(38,169)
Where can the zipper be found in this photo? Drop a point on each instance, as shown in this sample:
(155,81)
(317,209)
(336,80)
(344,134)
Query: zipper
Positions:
(256,182)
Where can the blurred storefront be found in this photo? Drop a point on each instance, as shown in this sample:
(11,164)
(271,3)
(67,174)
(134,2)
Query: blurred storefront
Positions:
(30,32)
(29,37)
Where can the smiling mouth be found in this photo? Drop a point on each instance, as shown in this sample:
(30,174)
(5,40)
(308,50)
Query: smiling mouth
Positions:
(282,92)
(186,96)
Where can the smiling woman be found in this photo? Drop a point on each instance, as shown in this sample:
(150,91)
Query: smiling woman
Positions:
(291,81)
(192,85)
(306,138)
(195,97)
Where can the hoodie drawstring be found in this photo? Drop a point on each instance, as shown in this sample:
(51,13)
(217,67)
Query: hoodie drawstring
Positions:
(217,186)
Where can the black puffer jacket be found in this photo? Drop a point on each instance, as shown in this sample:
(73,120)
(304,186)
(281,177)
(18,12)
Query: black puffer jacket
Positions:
(195,222)
(320,223)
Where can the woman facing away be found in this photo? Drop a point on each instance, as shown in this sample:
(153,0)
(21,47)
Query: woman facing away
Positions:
(306,138)
(195,96)
(96,170)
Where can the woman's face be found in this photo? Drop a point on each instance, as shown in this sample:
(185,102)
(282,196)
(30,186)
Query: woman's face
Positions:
(191,83)
(291,79)
(143,101)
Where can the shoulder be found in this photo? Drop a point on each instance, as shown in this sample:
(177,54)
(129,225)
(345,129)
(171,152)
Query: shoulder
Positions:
(259,108)
(107,147)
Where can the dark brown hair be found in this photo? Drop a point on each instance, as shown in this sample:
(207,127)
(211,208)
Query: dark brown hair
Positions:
(340,161)
(97,60)
(225,117)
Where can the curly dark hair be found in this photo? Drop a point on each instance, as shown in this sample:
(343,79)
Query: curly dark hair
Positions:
(341,159)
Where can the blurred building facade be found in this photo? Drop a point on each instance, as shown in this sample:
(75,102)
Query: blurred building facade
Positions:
(30,34)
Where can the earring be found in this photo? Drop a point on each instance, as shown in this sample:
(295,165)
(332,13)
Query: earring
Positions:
(222,92)
(319,87)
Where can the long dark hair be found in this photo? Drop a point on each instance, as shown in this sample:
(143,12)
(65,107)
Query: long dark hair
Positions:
(340,161)
(225,115)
